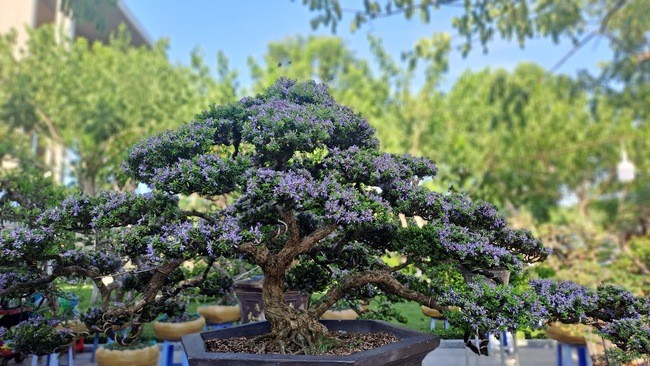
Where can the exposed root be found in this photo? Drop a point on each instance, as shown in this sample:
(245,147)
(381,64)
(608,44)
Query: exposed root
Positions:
(290,341)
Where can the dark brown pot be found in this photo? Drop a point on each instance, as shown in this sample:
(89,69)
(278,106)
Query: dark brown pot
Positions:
(249,295)
(410,350)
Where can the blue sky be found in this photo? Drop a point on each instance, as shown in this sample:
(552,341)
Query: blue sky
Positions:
(243,28)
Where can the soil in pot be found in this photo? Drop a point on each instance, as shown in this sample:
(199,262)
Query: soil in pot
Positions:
(342,343)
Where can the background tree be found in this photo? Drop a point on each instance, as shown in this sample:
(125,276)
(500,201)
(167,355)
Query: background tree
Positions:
(96,99)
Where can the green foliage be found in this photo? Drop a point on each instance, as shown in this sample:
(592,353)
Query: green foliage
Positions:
(641,249)
(36,337)
(96,99)
(451,333)
(114,346)
(384,309)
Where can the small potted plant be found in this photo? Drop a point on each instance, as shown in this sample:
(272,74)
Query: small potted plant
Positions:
(224,309)
(175,322)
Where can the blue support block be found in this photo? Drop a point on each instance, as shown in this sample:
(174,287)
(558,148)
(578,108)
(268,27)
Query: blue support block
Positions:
(565,354)
(71,356)
(184,360)
(433,322)
(216,326)
(167,355)
(54,358)
(95,347)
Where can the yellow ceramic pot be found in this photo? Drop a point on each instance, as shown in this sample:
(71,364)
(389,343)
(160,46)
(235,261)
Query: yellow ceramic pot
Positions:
(174,331)
(133,357)
(568,333)
(432,313)
(346,314)
(219,313)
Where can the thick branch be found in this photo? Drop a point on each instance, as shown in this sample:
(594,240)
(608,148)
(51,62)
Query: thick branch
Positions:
(202,215)
(57,272)
(290,251)
(192,282)
(150,292)
(260,253)
(380,277)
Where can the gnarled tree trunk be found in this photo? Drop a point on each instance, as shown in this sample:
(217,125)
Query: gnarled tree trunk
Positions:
(292,330)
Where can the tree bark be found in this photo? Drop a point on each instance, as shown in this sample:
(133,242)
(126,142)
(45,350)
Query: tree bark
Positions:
(292,330)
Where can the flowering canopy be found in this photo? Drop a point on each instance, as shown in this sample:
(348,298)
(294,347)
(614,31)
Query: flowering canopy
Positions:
(315,204)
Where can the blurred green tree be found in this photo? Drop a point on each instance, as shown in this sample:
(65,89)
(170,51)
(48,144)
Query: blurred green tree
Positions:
(97,99)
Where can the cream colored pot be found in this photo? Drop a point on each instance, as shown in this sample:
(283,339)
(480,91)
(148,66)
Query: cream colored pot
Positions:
(174,331)
(219,313)
(346,314)
(132,357)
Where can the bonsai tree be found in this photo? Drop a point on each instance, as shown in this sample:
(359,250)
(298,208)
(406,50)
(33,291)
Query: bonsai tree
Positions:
(316,205)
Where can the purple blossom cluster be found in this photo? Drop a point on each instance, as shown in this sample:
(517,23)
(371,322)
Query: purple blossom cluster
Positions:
(615,302)
(222,239)
(107,209)
(565,301)
(629,334)
(21,243)
(327,197)
(106,262)
(487,307)
(375,169)
(281,125)
(474,249)
(206,174)
(18,276)
(38,335)
(161,150)
(305,93)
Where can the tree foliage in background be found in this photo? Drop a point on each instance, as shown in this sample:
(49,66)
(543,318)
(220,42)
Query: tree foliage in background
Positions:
(622,23)
(95,99)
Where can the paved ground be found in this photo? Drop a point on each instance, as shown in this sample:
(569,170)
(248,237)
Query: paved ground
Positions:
(532,353)
(450,353)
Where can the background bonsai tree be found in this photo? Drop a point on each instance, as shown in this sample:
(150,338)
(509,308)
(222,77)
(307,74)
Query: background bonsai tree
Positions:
(313,203)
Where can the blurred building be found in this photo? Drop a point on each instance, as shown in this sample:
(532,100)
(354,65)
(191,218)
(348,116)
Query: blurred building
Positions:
(22,14)
(19,15)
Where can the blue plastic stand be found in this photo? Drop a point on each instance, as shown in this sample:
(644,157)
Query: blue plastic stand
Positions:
(167,355)
(95,347)
(53,359)
(432,324)
(216,326)
(565,354)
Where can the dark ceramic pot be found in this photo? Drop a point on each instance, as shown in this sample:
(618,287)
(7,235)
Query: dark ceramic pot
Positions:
(410,350)
(249,296)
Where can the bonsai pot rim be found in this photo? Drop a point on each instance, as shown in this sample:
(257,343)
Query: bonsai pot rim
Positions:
(411,344)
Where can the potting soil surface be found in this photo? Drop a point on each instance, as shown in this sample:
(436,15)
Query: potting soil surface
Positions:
(344,343)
